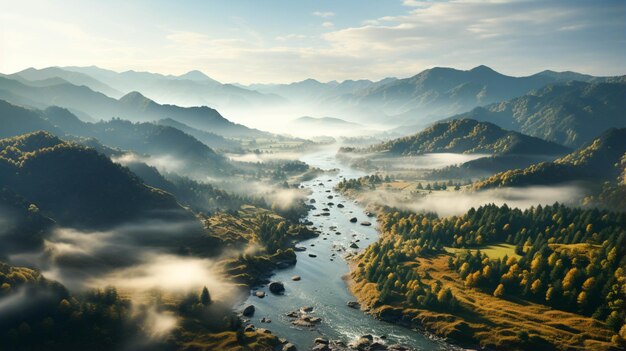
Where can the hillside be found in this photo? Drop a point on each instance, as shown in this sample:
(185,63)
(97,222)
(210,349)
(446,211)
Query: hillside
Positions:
(597,161)
(77,186)
(468,136)
(133,106)
(146,138)
(570,114)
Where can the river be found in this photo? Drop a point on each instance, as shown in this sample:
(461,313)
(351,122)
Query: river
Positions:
(322,286)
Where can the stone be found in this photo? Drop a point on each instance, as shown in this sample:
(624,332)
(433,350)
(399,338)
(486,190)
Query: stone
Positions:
(354,246)
(296,278)
(299,248)
(249,328)
(289,347)
(277,287)
(260,294)
(321,341)
(353,220)
(366,223)
(353,304)
(312,255)
(306,309)
(340,206)
(248,311)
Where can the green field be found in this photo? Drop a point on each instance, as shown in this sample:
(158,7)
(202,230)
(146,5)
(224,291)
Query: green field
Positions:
(493,251)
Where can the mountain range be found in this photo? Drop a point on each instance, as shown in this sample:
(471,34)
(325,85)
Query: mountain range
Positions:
(470,137)
(597,161)
(571,114)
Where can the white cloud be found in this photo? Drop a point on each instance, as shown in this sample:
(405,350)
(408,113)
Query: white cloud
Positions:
(328,24)
(323,14)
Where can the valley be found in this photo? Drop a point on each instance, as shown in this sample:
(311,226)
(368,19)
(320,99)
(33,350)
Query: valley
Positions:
(313,176)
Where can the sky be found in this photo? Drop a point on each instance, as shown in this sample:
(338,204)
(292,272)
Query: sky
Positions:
(279,41)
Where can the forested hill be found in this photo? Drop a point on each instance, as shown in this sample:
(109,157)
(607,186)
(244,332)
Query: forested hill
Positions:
(570,114)
(469,136)
(598,161)
(76,185)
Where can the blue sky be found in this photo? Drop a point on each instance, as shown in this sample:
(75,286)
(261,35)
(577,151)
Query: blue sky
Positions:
(287,40)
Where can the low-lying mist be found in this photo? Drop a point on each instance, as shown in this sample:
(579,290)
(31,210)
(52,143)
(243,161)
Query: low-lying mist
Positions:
(448,203)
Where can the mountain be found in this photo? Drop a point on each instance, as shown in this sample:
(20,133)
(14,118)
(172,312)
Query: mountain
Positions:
(160,142)
(56,75)
(469,136)
(193,88)
(76,185)
(210,139)
(595,162)
(571,114)
(443,91)
(133,106)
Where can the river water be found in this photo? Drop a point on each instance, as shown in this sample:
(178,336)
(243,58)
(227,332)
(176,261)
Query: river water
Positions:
(321,285)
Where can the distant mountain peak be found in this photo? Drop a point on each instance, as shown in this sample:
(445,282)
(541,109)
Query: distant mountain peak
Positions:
(195,75)
(483,68)
(134,97)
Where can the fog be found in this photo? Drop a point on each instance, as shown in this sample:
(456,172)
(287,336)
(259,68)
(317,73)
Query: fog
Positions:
(448,203)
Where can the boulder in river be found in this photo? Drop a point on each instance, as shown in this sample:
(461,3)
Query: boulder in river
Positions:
(306,308)
(248,311)
(354,246)
(277,287)
(312,201)
(353,304)
(296,278)
(340,205)
(299,248)
(289,347)
(260,294)
(366,223)
(329,197)
(312,255)
(320,341)
(353,219)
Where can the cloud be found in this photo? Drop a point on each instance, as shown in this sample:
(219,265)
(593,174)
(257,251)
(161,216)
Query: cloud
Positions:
(323,14)
(328,24)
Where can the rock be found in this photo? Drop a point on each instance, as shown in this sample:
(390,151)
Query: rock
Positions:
(354,246)
(368,337)
(369,214)
(266,320)
(325,214)
(320,341)
(312,255)
(289,347)
(312,201)
(340,206)
(329,197)
(366,223)
(293,314)
(325,209)
(353,220)
(353,304)
(396,347)
(282,265)
(321,347)
(277,287)
(296,278)
(260,294)
(331,204)
(299,248)
(377,347)
(263,331)
(306,309)
(249,328)
(248,311)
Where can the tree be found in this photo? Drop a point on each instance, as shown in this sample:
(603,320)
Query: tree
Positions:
(205,297)
(499,292)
